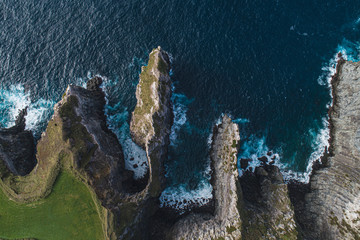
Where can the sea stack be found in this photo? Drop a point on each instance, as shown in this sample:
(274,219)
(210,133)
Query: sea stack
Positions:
(152,118)
(225,222)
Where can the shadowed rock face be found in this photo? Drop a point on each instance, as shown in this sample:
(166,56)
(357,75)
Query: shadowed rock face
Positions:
(100,154)
(17,147)
(333,206)
(268,212)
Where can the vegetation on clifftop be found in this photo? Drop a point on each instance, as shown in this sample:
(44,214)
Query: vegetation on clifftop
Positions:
(68,212)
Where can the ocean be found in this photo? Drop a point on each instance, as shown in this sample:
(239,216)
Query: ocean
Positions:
(265,63)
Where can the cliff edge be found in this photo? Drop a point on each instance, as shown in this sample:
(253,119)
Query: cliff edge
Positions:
(333,205)
(225,223)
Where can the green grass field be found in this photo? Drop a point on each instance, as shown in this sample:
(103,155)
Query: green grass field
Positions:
(69,213)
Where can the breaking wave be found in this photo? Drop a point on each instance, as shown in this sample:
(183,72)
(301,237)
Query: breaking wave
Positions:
(181,198)
(117,119)
(180,106)
(14,99)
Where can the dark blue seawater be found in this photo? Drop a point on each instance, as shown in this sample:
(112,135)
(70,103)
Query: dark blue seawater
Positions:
(265,63)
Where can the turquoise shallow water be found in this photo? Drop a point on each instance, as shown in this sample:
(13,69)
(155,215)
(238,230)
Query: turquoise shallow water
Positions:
(265,63)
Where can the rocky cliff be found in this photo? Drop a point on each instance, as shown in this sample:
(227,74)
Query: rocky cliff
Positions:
(152,118)
(225,223)
(333,205)
(17,147)
(77,140)
(255,206)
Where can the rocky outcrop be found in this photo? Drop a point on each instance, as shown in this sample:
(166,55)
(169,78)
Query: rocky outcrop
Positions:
(333,205)
(98,154)
(77,140)
(255,206)
(152,117)
(17,147)
(268,212)
(150,128)
(225,223)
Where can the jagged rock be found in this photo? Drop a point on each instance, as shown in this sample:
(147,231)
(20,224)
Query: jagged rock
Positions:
(225,223)
(256,207)
(150,128)
(78,140)
(333,204)
(99,154)
(268,212)
(152,118)
(17,148)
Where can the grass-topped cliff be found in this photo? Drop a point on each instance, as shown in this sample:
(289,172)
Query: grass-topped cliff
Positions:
(69,212)
(65,156)
(79,180)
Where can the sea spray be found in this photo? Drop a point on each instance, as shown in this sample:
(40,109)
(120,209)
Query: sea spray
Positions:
(180,106)
(255,149)
(182,199)
(14,99)
(135,156)
(117,120)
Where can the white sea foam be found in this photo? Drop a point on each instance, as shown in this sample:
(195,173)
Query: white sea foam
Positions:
(38,113)
(180,106)
(241,120)
(135,156)
(117,117)
(14,99)
(320,140)
(253,149)
(181,198)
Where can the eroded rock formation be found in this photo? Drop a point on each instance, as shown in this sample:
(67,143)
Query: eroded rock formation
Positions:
(268,212)
(152,118)
(225,223)
(254,206)
(333,204)
(17,147)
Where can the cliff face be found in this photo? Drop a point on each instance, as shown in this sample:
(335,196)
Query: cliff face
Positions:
(333,205)
(152,118)
(17,147)
(77,140)
(98,154)
(226,221)
(254,206)
(268,212)
(150,128)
